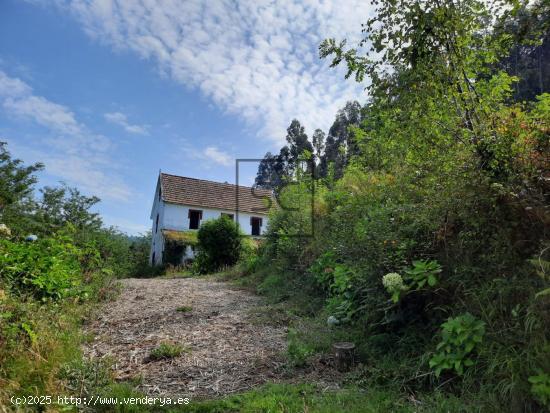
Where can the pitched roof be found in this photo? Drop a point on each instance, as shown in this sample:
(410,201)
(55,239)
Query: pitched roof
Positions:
(208,194)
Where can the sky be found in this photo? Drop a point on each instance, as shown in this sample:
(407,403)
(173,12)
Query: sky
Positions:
(107,93)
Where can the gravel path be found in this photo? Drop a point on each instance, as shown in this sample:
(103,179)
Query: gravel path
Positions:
(226,352)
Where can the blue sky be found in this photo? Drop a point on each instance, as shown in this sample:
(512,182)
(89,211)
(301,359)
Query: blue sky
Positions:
(106,93)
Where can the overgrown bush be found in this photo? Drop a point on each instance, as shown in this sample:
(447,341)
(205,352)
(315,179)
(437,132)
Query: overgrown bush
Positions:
(47,268)
(440,203)
(48,285)
(460,337)
(219,245)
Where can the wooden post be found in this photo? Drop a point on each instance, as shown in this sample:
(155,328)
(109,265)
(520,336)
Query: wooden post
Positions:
(344,355)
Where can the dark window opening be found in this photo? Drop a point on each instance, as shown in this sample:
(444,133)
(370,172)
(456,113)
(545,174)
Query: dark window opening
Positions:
(230,216)
(160,193)
(195,217)
(256,224)
(157,224)
(153,259)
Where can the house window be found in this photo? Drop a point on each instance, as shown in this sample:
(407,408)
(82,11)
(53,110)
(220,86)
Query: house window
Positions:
(160,193)
(256,224)
(230,216)
(195,217)
(157,224)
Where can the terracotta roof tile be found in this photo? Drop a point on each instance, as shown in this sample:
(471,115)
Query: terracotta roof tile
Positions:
(208,194)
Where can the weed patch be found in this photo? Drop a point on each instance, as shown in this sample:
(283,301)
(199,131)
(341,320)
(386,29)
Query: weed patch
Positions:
(166,351)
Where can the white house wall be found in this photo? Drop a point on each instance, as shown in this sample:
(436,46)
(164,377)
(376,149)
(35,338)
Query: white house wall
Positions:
(176,217)
(157,242)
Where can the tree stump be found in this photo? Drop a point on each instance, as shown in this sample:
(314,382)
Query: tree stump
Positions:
(344,355)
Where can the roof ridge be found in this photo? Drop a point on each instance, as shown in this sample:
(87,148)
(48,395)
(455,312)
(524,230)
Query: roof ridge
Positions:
(215,182)
(185,190)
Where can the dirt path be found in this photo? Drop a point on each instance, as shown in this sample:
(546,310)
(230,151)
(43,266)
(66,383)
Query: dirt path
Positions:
(227,352)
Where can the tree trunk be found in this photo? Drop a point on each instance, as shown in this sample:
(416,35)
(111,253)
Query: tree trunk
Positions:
(344,355)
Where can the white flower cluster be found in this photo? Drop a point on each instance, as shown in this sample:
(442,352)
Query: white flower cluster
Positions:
(4,230)
(393,282)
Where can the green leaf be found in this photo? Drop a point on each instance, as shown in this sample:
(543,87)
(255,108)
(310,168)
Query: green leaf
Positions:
(542,293)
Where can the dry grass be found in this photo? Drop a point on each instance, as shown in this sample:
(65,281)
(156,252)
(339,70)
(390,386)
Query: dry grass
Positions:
(228,352)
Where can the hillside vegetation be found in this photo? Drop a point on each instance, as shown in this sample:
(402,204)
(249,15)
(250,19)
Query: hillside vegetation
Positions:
(427,239)
(417,228)
(57,260)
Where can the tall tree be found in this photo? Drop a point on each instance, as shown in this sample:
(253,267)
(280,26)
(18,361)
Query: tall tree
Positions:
(529,57)
(318,143)
(298,141)
(340,144)
(65,205)
(16,181)
(266,175)
(16,185)
(274,170)
(435,56)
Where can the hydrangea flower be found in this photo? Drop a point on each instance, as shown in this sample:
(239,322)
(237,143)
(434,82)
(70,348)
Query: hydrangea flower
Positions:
(393,282)
(4,230)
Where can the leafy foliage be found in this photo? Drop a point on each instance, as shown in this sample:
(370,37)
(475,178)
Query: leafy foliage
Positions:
(62,206)
(16,185)
(424,272)
(439,188)
(529,57)
(540,387)
(16,181)
(298,351)
(47,268)
(459,338)
(219,244)
(47,285)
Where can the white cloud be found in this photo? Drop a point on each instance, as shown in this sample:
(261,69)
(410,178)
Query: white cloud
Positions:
(12,87)
(88,174)
(19,100)
(44,112)
(208,156)
(255,58)
(214,154)
(74,153)
(120,119)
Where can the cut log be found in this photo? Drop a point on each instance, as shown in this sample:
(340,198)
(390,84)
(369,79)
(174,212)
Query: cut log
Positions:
(344,355)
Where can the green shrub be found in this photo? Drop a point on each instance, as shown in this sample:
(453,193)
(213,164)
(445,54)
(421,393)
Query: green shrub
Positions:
(47,268)
(423,272)
(252,257)
(298,351)
(274,286)
(540,387)
(37,337)
(219,245)
(322,269)
(460,336)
